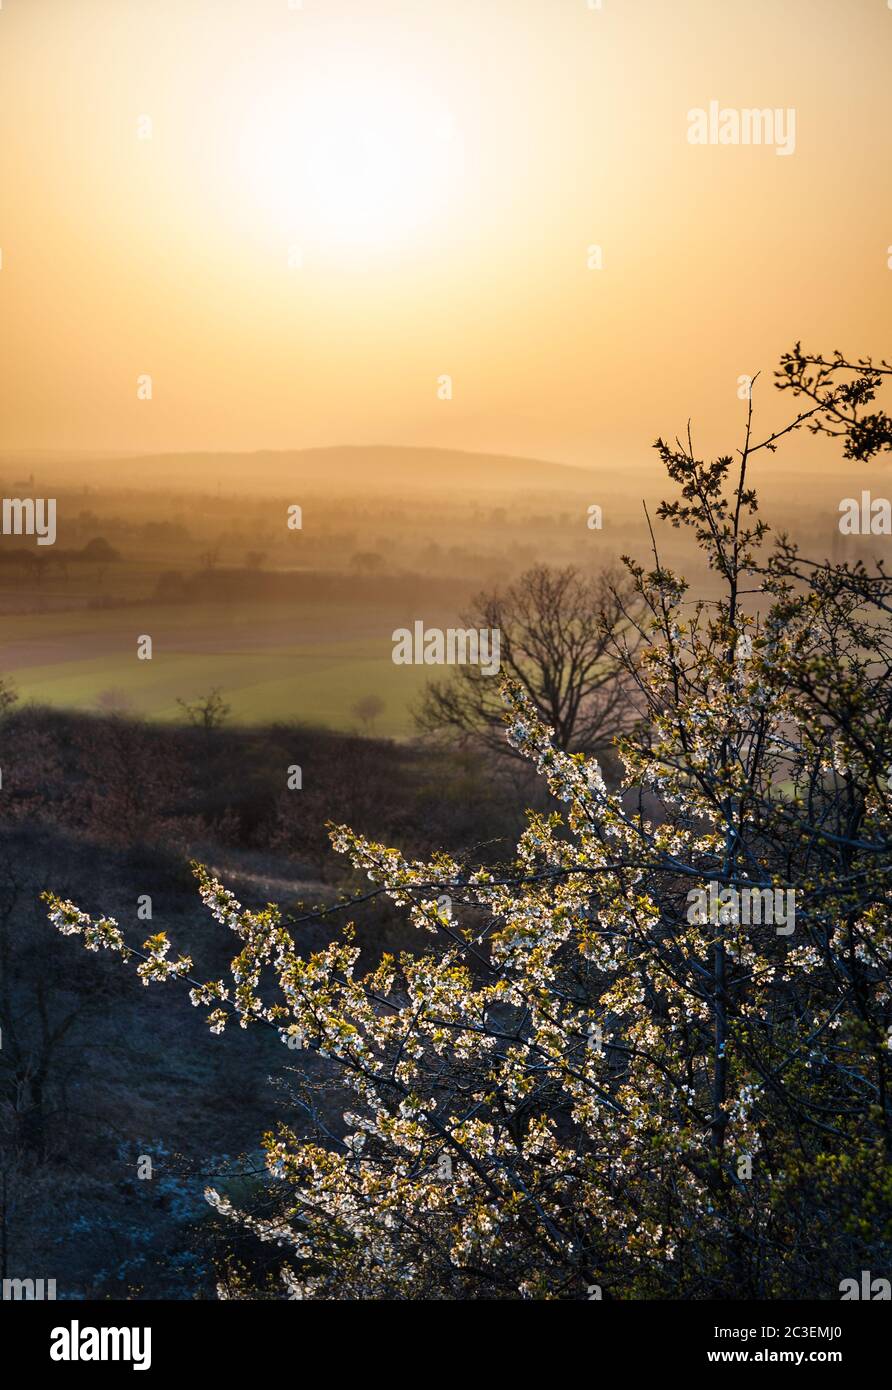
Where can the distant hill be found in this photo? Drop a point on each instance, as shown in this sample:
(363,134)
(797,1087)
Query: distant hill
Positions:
(354,469)
(805,489)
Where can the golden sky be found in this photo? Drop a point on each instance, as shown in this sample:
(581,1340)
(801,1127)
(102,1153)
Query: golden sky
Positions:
(342,202)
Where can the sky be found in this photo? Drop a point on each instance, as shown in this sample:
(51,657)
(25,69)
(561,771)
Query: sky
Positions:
(298,220)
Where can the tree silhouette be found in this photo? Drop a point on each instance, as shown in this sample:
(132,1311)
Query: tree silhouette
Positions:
(558,634)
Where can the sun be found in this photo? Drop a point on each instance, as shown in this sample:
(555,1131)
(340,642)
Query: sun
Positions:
(350,158)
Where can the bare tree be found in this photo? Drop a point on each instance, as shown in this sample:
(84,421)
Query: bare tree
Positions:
(114,701)
(367,710)
(367,562)
(208,712)
(8,695)
(559,629)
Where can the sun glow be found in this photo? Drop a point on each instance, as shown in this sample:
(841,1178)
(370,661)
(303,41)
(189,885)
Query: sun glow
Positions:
(349,158)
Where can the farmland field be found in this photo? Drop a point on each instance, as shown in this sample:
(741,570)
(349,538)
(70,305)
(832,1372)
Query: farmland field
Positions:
(308,664)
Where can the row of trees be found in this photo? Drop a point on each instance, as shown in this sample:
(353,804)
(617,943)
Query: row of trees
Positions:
(576,1087)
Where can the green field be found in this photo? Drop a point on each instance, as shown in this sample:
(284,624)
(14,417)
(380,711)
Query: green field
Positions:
(310,665)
